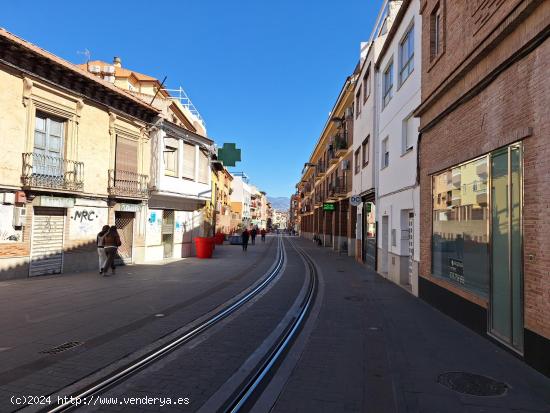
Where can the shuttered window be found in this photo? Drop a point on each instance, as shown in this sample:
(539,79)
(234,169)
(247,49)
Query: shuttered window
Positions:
(189,161)
(203,167)
(170,156)
(126,154)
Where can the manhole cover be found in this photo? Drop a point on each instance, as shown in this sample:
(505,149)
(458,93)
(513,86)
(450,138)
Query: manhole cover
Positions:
(472,384)
(353,298)
(63,347)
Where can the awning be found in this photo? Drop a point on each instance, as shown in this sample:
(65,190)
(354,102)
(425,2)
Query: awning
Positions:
(158,201)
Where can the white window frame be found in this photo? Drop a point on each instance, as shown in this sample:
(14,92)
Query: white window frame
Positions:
(387,83)
(406,67)
(385,161)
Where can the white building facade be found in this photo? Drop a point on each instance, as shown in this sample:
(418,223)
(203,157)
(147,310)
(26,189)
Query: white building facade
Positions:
(397,200)
(180,188)
(365,131)
(242,192)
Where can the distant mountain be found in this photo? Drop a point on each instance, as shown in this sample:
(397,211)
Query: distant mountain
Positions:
(281,203)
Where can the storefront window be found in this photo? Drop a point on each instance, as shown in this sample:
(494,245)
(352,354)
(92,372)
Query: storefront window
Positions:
(460,248)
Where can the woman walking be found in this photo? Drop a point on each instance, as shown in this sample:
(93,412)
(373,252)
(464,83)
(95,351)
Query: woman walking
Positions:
(100,247)
(111,242)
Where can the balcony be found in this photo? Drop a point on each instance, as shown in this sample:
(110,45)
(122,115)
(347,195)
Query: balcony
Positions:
(43,171)
(338,189)
(127,184)
(332,156)
(320,171)
(341,145)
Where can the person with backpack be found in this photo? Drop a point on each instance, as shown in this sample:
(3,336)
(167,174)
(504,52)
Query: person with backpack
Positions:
(111,242)
(100,247)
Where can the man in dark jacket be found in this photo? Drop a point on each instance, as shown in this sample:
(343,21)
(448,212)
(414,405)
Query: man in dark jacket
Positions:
(245,235)
(253,234)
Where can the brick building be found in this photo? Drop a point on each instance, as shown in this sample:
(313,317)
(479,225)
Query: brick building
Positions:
(485,169)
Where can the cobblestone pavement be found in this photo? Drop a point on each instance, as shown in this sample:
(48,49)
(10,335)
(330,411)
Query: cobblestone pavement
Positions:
(111,316)
(376,348)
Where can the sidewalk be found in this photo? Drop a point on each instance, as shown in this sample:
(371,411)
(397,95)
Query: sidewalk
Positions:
(376,348)
(109,317)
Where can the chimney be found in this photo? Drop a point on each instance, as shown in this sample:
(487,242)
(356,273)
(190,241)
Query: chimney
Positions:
(117,62)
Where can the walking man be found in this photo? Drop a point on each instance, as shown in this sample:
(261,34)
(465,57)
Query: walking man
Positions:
(111,242)
(100,248)
(253,234)
(263,232)
(244,237)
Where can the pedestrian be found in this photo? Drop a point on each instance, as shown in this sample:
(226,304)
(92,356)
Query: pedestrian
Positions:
(100,248)
(244,238)
(111,242)
(253,234)
(263,232)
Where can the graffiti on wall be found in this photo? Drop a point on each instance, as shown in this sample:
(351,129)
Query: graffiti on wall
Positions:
(154,227)
(7,231)
(86,221)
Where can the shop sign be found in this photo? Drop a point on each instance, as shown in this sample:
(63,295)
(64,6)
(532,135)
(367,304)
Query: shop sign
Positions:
(128,207)
(456,270)
(355,200)
(53,201)
(327,206)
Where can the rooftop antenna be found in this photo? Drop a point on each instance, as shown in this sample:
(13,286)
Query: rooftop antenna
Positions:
(86,53)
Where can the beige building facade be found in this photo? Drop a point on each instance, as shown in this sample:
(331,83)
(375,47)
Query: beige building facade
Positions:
(76,157)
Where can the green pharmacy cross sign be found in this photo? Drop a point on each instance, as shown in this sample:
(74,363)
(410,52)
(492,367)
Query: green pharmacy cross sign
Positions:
(229,154)
(328,206)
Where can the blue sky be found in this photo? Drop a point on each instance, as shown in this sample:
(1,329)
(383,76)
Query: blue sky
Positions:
(263,74)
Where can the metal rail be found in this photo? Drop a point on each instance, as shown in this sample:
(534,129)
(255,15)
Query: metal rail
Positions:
(256,380)
(109,381)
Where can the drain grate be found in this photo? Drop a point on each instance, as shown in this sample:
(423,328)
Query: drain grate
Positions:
(472,384)
(63,347)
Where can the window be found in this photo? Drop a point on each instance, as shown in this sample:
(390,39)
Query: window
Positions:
(406,56)
(388,84)
(357,160)
(436,32)
(358,103)
(385,154)
(365,151)
(204,165)
(48,146)
(189,153)
(366,85)
(170,156)
(460,247)
(410,133)
(126,154)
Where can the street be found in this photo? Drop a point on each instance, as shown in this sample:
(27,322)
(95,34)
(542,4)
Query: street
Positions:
(354,352)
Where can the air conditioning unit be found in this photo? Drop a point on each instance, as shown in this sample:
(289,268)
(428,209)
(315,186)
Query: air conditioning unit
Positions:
(94,69)
(345,165)
(349,112)
(19,214)
(109,69)
(7,198)
(110,79)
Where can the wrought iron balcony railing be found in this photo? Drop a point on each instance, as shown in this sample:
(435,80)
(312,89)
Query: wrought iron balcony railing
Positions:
(341,144)
(44,171)
(126,183)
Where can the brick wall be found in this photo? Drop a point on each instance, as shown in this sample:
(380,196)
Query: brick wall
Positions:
(511,106)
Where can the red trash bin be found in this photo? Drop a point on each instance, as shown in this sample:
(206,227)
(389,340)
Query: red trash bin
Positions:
(204,247)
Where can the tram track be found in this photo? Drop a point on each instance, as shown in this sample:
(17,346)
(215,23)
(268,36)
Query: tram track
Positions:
(101,385)
(247,391)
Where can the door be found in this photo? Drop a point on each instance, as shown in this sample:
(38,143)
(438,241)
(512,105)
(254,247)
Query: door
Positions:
(47,241)
(506,312)
(385,244)
(168,233)
(48,147)
(364,229)
(411,245)
(124,222)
